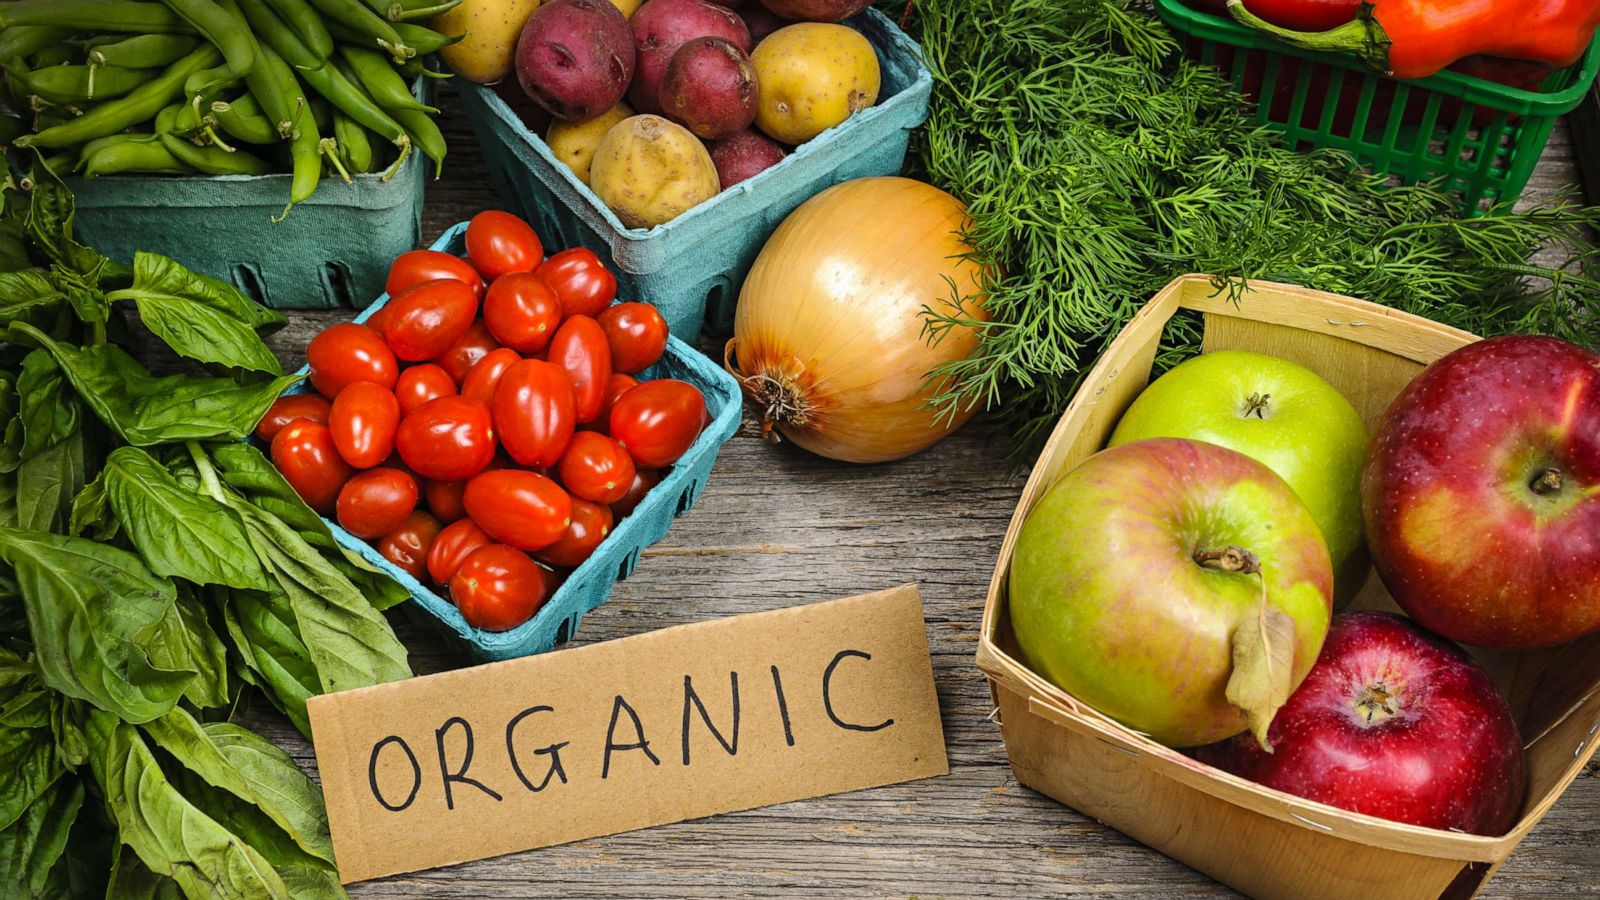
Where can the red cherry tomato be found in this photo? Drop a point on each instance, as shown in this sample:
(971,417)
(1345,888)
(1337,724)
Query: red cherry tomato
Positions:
(533,412)
(498,588)
(363,422)
(419,384)
(580,348)
(377,320)
(643,481)
(427,318)
(517,507)
(591,522)
(581,280)
(521,311)
(616,386)
(596,468)
(637,335)
(465,353)
(288,408)
(499,243)
(658,421)
(444,498)
(447,439)
(375,502)
(408,545)
(416,266)
(346,353)
(454,543)
(306,455)
(486,374)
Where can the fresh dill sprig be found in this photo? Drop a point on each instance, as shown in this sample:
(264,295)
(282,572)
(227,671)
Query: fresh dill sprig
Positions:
(1098,164)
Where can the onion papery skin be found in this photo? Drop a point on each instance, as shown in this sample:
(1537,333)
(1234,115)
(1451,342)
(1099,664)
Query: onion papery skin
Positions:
(830,338)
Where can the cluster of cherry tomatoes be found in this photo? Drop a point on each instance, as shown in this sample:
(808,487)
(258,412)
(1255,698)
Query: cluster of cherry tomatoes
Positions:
(487,412)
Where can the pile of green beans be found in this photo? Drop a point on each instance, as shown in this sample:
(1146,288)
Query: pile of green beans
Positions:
(220,87)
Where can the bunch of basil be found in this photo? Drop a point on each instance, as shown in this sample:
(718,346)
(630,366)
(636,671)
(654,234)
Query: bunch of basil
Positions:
(151,566)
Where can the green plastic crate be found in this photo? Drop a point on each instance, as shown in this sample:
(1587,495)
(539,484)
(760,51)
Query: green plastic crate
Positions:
(1478,137)
(333,250)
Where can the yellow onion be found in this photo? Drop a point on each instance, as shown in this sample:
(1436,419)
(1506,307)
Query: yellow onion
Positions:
(830,340)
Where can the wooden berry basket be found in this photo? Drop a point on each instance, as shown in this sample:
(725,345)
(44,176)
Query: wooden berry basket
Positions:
(1266,843)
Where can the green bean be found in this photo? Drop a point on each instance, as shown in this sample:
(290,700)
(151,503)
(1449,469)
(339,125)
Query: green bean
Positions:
(214,160)
(320,114)
(142,156)
(381,81)
(425,134)
(331,82)
(307,25)
(239,123)
(272,31)
(353,143)
(138,106)
(167,119)
(414,69)
(92,147)
(273,85)
(411,10)
(372,28)
(94,15)
(425,40)
(55,55)
(237,44)
(77,83)
(61,164)
(25,40)
(305,153)
(142,51)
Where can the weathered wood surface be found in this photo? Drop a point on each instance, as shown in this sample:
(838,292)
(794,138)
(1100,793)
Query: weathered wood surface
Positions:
(779,527)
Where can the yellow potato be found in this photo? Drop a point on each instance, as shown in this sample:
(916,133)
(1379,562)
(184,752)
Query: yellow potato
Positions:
(492,27)
(627,7)
(810,77)
(650,170)
(574,143)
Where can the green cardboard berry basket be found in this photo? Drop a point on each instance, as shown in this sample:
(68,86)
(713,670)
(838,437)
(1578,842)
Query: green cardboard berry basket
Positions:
(1477,137)
(590,584)
(692,266)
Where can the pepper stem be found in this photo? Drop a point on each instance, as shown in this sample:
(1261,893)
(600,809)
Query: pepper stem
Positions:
(1362,36)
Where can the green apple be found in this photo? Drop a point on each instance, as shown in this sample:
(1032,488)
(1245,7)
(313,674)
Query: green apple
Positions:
(1144,575)
(1281,414)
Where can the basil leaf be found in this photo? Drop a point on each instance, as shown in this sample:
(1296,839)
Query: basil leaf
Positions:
(351,644)
(204,334)
(248,471)
(28,707)
(49,223)
(85,865)
(275,657)
(82,293)
(13,247)
(144,410)
(380,590)
(235,760)
(28,295)
(131,879)
(184,639)
(30,848)
(48,408)
(307,877)
(178,532)
(91,512)
(66,724)
(170,835)
(91,610)
(155,277)
(11,433)
(47,483)
(28,766)
(8,500)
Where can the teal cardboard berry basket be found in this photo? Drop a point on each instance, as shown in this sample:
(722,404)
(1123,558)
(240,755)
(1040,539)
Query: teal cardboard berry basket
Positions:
(692,266)
(590,584)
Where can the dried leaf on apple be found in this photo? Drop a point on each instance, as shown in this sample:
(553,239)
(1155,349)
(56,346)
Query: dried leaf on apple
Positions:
(1263,668)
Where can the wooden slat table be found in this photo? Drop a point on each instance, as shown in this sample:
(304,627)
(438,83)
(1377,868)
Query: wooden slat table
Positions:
(778,527)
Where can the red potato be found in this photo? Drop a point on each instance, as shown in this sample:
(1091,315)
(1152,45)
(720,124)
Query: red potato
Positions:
(575,58)
(762,21)
(709,88)
(743,155)
(816,10)
(660,27)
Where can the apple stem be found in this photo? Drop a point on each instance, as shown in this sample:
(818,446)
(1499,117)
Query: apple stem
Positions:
(1256,404)
(1547,482)
(1229,559)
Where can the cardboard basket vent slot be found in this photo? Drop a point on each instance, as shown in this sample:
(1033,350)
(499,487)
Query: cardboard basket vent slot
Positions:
(247,278)
(1260,841)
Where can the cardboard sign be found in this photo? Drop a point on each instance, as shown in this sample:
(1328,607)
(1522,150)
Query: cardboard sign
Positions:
(676,724)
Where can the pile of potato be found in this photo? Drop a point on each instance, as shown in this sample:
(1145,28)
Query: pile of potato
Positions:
(659,106)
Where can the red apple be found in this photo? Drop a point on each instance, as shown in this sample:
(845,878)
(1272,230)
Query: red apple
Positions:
(1392,722)
(1481,494)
